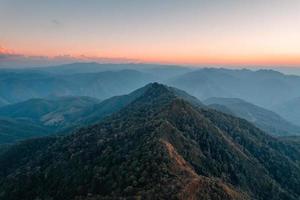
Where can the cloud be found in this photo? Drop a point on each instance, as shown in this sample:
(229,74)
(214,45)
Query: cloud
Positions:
(56,23)
(4,50)
(7,55)
(10,59)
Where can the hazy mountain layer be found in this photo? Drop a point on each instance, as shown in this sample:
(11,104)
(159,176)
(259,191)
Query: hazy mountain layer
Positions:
(267,88)
(18,86)
(263,87)
(159,71)
(289,110)
(264,119)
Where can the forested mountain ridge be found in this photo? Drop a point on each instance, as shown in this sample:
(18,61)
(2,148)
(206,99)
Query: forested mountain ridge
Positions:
(159,146)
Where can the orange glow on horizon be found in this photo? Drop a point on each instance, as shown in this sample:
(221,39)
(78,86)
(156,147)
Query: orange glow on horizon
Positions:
(4,50)
(211,59)
(233,33)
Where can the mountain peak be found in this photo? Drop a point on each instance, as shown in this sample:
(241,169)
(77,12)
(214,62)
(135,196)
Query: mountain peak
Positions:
(155,90)
(157,86)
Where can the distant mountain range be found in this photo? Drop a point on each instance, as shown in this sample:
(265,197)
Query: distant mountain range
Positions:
(289,109)
(265,88)
(80,79)
(164,144)
(56,115)
(264,119)
(159,71)
(25,93)
(21,86)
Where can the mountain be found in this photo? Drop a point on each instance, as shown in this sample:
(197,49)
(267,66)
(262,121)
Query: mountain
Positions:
(39,117)
(264,119)
(292,140)
(12,130)
(159,146)
(48,112)
(262,87)
(290,110)
(106,80)
(3,102)
(96,112)
(17,86)
(161,71)
(64,114)
(61,114)
(78,67)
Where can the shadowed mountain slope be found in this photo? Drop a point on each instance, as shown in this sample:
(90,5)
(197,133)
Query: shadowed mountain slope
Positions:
(264,119)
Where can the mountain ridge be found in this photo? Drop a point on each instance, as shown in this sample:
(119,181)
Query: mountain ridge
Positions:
(158,146)
(239,83)
(264,119)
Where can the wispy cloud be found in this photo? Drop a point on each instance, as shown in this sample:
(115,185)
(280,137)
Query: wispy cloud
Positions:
(4,50)
(56,23)
(10,58)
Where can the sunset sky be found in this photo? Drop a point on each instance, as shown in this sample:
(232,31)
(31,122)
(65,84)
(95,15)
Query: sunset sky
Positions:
(232,32)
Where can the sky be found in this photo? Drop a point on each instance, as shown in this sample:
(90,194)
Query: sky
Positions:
(195,32)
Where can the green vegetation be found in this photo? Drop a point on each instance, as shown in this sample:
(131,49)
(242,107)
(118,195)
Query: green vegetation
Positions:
(12,130)
(159,146)
(39,117)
